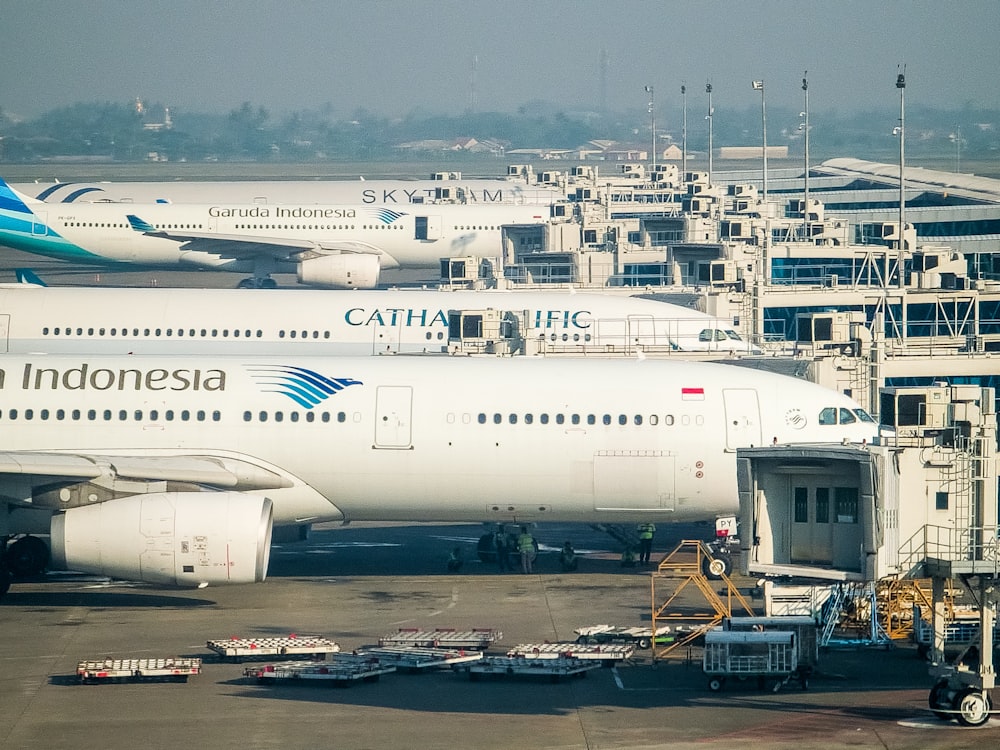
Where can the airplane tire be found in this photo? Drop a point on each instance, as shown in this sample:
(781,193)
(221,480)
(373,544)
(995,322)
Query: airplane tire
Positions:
(973,706)
(940,700)
(716,567)
(246,284)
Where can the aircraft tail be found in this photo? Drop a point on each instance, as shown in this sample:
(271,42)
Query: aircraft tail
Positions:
(11,200)
(28,277)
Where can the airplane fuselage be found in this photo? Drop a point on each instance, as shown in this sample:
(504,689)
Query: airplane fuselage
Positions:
(192,321)
(421,439)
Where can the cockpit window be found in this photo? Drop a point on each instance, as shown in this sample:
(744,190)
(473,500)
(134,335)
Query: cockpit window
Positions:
(733,335)
(705,335)
(864,416)
(828,416)
(846,417)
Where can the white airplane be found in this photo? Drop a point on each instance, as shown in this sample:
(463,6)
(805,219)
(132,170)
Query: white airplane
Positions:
(173,470)
(89,320)
(356,192)
(341,246)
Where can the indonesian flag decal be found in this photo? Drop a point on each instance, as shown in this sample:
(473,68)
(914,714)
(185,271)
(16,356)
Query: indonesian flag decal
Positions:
(692,394)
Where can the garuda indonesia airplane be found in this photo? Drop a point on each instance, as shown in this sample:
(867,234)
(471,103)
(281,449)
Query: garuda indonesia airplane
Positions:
(174,469)
(338,246)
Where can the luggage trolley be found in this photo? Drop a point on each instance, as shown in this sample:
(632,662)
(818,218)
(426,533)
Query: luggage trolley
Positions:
(762,655)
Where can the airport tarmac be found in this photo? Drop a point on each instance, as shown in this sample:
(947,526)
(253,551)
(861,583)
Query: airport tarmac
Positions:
(355,584)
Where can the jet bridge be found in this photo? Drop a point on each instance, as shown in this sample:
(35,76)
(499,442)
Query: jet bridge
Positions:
(922,503)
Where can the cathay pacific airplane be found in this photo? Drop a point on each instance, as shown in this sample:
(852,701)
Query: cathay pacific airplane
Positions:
(89,320)
(357,192)
(339,246)
(174,470)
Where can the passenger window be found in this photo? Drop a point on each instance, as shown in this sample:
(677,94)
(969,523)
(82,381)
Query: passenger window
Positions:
(481,418)
(512,418)
(591,419)
(575,419)
(828,416)
(529,418)
(622,419)
(497,419)
(247,416)
(607,419)
(543,418)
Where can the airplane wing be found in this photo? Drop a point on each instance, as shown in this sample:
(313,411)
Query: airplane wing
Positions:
(30,470)
(241,247)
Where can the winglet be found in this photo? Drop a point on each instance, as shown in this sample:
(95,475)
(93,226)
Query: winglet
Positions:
(27,276)
(140,225)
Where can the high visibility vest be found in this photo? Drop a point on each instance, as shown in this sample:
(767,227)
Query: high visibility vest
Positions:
(525,543)
(646,531)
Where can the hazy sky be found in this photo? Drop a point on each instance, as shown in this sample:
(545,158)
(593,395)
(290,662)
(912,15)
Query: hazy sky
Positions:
(394,57)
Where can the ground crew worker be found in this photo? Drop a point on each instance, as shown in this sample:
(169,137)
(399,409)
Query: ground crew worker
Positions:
(500,545)
(646,531)
(568,558)
(526,546)
(455,560)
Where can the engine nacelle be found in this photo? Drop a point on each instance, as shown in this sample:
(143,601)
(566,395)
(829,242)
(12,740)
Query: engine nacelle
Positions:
(172,538)
(342,271)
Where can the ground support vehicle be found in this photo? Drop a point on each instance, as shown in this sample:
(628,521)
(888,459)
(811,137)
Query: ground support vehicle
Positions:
(169,669)
(478,638)
(292,646)
(419,659)
(762,656)
(340,669)
(518,666)
(608,654)
(640,637)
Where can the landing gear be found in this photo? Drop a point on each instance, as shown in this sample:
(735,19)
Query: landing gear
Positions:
(970,706)
(718,566)
(254,283)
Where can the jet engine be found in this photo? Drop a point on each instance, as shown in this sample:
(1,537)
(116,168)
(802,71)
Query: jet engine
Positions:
(172,538)
(342,271)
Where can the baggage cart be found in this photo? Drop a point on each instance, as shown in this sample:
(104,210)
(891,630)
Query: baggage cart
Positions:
(518,666)
(417,658)
(477,638)
(340,669)
(608,654)
(292,646)
(758,655)
(167,669)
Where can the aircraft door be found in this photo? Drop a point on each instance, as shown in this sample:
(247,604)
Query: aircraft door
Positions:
(393,411)
(742,418)
(386,338)
(641,331)
(427,227)
(4,332)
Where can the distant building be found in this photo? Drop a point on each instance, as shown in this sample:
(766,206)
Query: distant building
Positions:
(752,152)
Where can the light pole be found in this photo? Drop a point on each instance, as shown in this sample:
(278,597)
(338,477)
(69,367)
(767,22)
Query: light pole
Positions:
(759,86)
(901,85)
(805,114)
(711,113)
(652,126)
(684,130)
